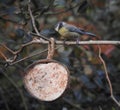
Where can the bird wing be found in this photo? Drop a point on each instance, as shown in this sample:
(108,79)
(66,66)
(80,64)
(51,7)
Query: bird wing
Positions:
(80,31)
(90,34)
(75,29)
(72,28)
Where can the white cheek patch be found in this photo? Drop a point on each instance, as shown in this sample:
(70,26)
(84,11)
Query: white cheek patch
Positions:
(57,27)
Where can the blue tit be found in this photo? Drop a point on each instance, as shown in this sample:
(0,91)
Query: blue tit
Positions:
(68,31)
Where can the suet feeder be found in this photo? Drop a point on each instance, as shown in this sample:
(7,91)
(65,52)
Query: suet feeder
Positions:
(46,79)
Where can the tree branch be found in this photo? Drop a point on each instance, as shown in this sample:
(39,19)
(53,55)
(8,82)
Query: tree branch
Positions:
(90,42)
(107,77)
(57,42)
(32,18)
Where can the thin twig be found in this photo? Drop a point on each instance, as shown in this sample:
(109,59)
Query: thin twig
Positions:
(32,18)
(9,20)
(115,100)
(47,8)
(2,54)
(106,72)
(43,37)
(29,56)
(32,55)
(107,77)
(64,11)
(18,89)
(15,53)
(100,107)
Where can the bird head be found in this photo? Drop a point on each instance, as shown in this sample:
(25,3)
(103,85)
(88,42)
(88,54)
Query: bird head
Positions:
(59,25)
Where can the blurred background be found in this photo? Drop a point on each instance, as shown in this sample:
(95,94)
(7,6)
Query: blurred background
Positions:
(88,89)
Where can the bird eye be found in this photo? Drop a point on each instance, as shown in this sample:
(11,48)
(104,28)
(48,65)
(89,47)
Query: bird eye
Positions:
(60,25)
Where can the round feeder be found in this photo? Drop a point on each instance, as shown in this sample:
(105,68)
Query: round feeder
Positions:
(46,79)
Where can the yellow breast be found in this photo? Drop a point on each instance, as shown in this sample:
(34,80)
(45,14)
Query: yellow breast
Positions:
(62,31)
(66,34)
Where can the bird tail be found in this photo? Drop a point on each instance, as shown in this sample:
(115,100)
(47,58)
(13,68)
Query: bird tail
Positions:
(90,34)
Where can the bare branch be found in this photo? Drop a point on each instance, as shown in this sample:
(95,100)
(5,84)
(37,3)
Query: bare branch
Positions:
(9,20)
(32,18)
(15,53)
(43,37)
(64,11)
(107,77)
(31,56)
(2,54)
(28,57)
(39,41)
(91,42)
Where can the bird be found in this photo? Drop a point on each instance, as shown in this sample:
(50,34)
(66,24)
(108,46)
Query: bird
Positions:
(68,31)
